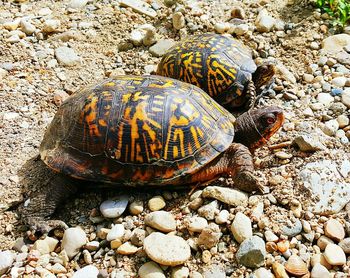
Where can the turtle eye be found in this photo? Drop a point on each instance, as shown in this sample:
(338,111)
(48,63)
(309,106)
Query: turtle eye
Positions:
(270,120)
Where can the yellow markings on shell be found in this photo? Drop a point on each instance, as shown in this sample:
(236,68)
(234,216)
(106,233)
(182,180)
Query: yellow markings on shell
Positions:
(138,96)
(150,131)
(179,136)
(175,151)
(156,109)
(195,137)
(139,157)
(199,131)
(90,117)
(164,85)
(126,98)
(110,84)
(102,122)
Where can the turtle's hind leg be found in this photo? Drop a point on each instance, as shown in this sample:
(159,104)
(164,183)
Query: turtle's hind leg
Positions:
(43,202)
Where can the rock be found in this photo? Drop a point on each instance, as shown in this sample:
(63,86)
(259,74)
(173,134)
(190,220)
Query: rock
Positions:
(308,143)
(241,29)
(136,207)
(334,255)
(319,271)
(138,236)
(151,270)
(222,217)
(51,26)
(161,47)
(294,230)
(92,245)
(209,211)
(296,266)
(11,25)
(116,243)
(3,73)
(114,208)
(77,4)
(345,245)
(180,272)
(325,98)
(196,224)
(343,121)
(308,78)
(117,231)
(214,271)
(6,260)
(339,81)
(241,227)
(66,56)
(58,268)
(334,230)
(279,271)
(210,235)
(335,43)
(73,240)
(156,203)
(330,127)
(89,271)
(327,184)
(285,73)
(314,45)
(238,12)
(221,27)
(232,197)
(264,22)
(27,27)
(178,21)
(323,241)
(13,39)
(136,37)
(167,249)
(139,6)
(251,252)
(270,236)
(161,220)
(127,249)
(41,246)
(345,98)
(263,273)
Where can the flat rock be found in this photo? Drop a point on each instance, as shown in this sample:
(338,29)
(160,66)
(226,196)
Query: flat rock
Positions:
(334,254)
(209,211)
(196,224)
(161,220)
(214,271)
(66,56)
(139,6)
(114,208)
(319,271)
(345,98)
(127,249)
(180,272)
(161,47)
(251,252)
(285,73)
(156,203)
(326,180)
(77,4)
(264,22)
(117,231)
(263,273)
(6,260)
(89,271)
(334,230)
(345,245)
(335,43)
(230,196)
(151,270)
(167,249)
(293,230)
(241,227)
(309,143)
(73,240)
(210,236)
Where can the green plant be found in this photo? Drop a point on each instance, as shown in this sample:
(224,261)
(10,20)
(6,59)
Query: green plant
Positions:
(338,9)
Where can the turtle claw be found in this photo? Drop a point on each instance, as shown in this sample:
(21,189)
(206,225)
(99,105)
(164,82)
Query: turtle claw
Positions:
(45,226)
(247,181)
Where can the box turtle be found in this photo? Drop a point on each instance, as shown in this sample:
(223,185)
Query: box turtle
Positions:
(146,131)
(220,65)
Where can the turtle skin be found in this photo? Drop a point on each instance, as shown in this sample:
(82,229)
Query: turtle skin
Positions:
(137,130)
(220,65)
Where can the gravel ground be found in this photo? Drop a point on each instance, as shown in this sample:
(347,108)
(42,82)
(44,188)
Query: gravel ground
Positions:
(51,49)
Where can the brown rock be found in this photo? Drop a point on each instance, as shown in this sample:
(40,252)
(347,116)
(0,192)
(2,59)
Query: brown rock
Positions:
(334,230)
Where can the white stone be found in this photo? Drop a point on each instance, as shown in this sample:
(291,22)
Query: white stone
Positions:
(3,73)
(226,195)
(6,260)
(241,227)
(264,22)
(51,25)
(180,272)
(151,270)
(334,254)
(139,6)
(285,73)
(73,240)
(161,47)
(137,36)
(66,56)
(117,232)
(196,224)
(222,217)
(241,29)
(167,249)
(89,271)
(330,127)
(270,236)
(319,271)
(309,142)
(221,27)
(263,273)
(343,121)
(77,4)
(10,116)
(339,81)
(326,180)
(161,220)
(178,21)
(345,98)
(335,43)
(325,98)
(114,208)
(27,27)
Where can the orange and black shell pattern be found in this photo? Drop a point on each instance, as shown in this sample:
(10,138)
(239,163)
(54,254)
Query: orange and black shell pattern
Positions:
(137,130)
(220,65)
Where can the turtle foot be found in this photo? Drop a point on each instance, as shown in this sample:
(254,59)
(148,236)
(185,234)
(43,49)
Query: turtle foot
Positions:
(247,181)
(45,226)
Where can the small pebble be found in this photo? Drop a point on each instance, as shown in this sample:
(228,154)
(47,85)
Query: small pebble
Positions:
(73,239)
(251,252)
(334,254)
(151,270)
(156,203)
(114,208)
(161,220)
(136,207)
(89,271)
(66,56)
(334,230)
(180,272)
(241,227)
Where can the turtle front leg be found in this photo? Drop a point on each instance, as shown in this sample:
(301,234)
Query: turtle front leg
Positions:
(241,165)
(265,92)
(250,96)
(42,204)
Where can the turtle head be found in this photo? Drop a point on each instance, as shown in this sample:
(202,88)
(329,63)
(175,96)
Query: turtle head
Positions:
(263,75)
(254,127)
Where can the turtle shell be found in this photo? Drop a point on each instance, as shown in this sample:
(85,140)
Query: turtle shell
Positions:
(220,65)
(137,130)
